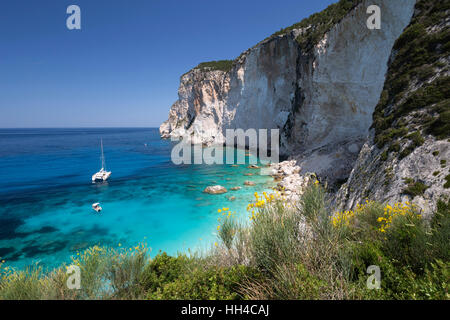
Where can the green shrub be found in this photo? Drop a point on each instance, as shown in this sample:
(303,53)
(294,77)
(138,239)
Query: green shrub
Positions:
(222,65)
(366,225)
(447,183)
(314,207)
(406,242)
(94,265)
(22,285)
(273,237)
(365,254)
(163,269)
(215,283)
(126,274)
(228,230)
(395,147)
(440,232)
(440,128)
(433,285)
(295,282)
(416,139)
(415,189)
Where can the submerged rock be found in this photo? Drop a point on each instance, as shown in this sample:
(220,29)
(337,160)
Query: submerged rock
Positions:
(215,190)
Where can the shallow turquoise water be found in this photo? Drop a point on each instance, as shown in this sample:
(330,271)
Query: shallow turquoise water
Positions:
(46,194)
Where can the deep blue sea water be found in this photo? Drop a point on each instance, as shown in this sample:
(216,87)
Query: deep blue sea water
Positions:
(46,194)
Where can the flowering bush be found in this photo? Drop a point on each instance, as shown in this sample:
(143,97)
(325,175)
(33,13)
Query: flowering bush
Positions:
(227,229)
(260,202)
(399,209)
(370,213)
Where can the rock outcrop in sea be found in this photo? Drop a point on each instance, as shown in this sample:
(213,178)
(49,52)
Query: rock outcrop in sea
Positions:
(215,189)
(326,84)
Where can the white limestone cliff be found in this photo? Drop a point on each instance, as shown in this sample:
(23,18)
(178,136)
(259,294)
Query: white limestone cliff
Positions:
(411,165)
(322,99)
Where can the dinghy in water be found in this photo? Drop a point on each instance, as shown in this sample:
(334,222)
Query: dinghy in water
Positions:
(96,207)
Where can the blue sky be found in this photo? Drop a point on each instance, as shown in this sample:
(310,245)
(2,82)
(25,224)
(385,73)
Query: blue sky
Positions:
(123,67)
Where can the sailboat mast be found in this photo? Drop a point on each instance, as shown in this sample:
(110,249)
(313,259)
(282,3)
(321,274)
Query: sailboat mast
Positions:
(103,156)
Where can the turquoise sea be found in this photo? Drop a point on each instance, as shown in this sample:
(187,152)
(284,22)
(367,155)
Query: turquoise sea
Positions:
(46,194)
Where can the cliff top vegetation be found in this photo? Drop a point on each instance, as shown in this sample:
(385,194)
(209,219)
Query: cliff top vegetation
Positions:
(317,25)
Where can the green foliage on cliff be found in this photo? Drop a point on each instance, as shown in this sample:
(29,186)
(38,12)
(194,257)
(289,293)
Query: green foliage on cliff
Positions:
(414,188)
(315,27)
(419,61)
(222,65)
(320,23)
(447,182)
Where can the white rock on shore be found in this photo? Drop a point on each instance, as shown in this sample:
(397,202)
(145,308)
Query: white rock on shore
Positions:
(291,183)
(215,190)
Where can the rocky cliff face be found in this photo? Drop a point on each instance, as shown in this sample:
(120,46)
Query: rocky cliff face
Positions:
(319,88)
(339,85)
(257,92)
(200,105)
(405,157)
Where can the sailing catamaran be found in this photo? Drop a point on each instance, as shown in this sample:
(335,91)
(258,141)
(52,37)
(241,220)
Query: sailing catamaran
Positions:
(102,175)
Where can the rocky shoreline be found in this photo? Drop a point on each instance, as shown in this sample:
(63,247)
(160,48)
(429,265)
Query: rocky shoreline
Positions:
(291,183)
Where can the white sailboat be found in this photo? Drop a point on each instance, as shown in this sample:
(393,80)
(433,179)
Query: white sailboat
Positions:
(102,175)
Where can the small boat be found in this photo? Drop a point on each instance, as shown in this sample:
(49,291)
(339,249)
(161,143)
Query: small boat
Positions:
(96,207)
(102,175)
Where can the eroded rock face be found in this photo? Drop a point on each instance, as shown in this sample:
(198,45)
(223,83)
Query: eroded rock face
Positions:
(387,180)
(412,164)
(340,84)
(321,99)
(199,108)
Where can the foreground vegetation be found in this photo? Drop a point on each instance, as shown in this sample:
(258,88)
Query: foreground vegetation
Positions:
(286,251)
